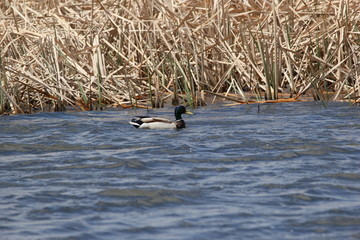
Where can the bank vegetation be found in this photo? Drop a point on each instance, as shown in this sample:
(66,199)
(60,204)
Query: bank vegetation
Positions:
(88,54)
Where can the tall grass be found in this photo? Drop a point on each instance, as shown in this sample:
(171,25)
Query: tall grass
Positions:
(89,54)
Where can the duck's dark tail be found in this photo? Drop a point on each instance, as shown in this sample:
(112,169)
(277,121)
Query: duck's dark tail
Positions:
(136,122)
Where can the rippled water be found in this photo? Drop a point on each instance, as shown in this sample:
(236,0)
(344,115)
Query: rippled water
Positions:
(290,171)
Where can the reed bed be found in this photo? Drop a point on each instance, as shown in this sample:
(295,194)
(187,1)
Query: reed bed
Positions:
(90,54)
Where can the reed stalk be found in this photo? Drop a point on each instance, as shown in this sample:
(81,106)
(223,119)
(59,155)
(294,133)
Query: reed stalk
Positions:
(2,99)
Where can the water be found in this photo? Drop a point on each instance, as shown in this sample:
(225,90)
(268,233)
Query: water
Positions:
(291,171)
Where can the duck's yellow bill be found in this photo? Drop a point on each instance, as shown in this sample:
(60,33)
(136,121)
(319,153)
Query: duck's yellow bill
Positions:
(187,112)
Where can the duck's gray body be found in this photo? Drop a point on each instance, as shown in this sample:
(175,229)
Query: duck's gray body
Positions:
(146,122)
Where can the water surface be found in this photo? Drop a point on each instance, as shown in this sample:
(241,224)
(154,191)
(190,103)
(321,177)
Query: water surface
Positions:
(283,171)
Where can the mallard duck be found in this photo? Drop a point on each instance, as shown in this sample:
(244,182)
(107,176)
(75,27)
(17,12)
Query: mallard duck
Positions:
(161,123)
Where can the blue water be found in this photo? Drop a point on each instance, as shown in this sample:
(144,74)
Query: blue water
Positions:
(283,171)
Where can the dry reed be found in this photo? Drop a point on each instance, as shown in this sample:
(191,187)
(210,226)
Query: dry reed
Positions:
(88,54)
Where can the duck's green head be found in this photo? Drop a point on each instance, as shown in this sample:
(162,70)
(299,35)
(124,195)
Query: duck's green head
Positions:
(180,110)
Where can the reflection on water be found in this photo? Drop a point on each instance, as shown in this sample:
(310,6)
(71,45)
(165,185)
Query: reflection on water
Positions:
(291,171)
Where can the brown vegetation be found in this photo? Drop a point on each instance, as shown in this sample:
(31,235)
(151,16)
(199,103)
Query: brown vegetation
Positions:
(88,53)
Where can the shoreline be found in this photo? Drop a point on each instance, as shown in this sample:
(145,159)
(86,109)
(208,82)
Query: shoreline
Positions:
(229,99)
